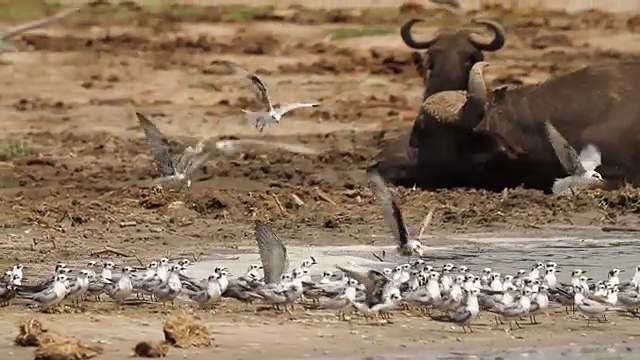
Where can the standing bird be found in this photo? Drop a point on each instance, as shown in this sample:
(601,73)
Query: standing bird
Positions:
(9,33)
(273,253)
(393,217)
(170,169)
(581,168)
(271,113)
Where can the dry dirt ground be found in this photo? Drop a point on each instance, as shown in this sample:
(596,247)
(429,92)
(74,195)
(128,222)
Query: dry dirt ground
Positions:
(75,172)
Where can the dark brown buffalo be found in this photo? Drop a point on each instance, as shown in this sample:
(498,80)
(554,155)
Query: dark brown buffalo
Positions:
(505,145)
(451,54)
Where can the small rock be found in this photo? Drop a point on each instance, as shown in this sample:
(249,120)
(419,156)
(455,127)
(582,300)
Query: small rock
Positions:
(353,332)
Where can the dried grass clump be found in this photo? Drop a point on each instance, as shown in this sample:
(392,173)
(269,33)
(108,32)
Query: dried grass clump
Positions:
(151,349)
(33,333)
(70,349)
(186,331)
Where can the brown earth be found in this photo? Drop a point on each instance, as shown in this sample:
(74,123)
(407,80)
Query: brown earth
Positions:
(75,172)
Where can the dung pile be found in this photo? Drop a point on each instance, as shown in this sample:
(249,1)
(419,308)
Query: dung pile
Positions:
(51,345)
(183,331)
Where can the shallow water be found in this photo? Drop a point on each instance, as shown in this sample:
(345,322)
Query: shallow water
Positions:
(597,255)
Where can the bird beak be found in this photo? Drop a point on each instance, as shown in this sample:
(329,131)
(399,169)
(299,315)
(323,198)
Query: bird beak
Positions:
(558,271)
(622,270)
(590,279)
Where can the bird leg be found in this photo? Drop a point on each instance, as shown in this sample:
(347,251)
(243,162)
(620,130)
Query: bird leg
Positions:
(588,321)
(518,325)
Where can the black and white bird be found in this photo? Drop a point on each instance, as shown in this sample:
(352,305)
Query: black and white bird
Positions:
(271,114)
(581,168)
(170,168)
(393,217)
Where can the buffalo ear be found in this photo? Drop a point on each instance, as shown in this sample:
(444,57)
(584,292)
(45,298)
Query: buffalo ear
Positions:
(472,113)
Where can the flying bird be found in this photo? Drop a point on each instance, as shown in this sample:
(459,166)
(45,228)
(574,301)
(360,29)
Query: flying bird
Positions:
(11,32)
(271,113)
(581,168)
(170,168)
(393,217)
(273,253)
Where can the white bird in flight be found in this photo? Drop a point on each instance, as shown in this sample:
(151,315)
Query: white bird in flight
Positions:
(271,113)
(581,168)
(170,168)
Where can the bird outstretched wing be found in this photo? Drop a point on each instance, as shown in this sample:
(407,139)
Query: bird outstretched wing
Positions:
(390,208)
(289,107)
(566,154)
(159,144)
(590,157)
(256,84)
(375,282)
(38,23)
(273,253)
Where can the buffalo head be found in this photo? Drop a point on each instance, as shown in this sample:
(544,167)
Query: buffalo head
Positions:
(445,148)
(452,54)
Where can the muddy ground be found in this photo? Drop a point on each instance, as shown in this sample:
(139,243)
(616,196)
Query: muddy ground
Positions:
(75,172)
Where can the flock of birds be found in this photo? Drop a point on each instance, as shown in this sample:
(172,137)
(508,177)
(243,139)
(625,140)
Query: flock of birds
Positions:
(455,291)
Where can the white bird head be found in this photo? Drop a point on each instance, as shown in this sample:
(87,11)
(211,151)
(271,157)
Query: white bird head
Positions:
(61,278)
(469,277)
(213,277)
(614,272)
(420,262)
(352,282)
(286,277)
(593,176)
(297,273)
(487,271)
(609,285)
(448,267)
(434,275)
(387,271)
(152,265)
(394,295)
(537,266)
(327,274)
(92,264)
(459,279)
(495,276)
(223,274)
(63,270)
(184,262)
(164,262)
(521,273)
(577,272)
(527,291)
(463,269)
(543,288)
(508,278)
(109,265)
(18,267)
(218,269)
(551,264)
(127,270)
(253,267)
(83,274)
(406,267)
(474,291)
(398,269)
(59,266)
(584,278)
